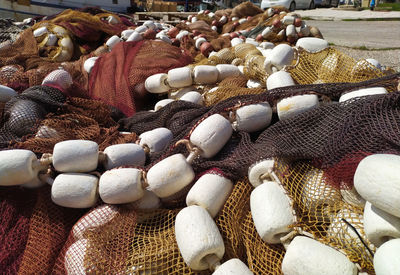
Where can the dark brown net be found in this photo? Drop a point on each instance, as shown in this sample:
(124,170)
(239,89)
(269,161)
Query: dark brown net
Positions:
(23,112)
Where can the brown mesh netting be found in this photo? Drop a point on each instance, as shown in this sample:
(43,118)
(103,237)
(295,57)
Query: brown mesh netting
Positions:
(331,66)
(316,153)
(118,77)
(328,135)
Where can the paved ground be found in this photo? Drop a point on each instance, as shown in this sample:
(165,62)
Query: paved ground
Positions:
(340,14)
(370,34)
(348,36)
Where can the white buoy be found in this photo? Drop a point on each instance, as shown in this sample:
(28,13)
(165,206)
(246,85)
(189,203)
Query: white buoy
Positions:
(124,154)
(279,57)
(162,103)
(89,64)
(182,34)
(112,20)
(150,24)
(291,106)
(251,83)
(252,118)
(169,176)
(199,42)
(374,63)
(6,93)
(211,135)
(51,39)
(210,192)
(75,190)
(312,44)
(149,201)
(157,83)
(233,267)
(126,33)
(112,41)
(40,31)
(267,45)
(377,180)
(236,41)
(226,70)
(387,258)
(141,29)
(75,156)
(194,97)
(121,186)
(17,167)
(271,211)
(135,37)
(288,20)
(279,79)
(380,226)
(180,77)
(259,170)
(199,240)
(307,256)
(97,217)
(156,140)
(363,92)
(205,74)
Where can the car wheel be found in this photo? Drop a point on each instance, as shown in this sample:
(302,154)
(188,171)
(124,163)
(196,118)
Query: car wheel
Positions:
(336,4)
(312,5)
(292,6)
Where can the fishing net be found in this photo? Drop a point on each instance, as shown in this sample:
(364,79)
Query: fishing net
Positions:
(118,77)
(9,31)
(316,152)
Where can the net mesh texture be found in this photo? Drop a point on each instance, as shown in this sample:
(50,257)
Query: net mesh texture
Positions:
(316,154)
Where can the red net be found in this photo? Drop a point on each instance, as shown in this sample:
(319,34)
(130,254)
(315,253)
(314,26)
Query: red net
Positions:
(118,77)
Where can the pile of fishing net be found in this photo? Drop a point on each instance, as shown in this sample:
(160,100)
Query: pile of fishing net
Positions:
(315,153)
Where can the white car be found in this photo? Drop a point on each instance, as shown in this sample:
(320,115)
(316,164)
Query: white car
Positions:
(289,4)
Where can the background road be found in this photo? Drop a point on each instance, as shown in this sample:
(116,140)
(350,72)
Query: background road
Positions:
(348,36)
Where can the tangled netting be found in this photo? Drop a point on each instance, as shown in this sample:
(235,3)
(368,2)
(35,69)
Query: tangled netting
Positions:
(309,150)
(316,152)
(118,77)
(9,31)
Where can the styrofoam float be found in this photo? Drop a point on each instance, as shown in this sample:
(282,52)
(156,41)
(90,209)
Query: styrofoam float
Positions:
(199,240)
(307,256)
(363,92)
(279,79)
(156,140)
(75,156)
(180,77)
(380,226)
(122,185)
(211,135)
(17,167)
(377,180)
(387,258)
(312,44)
(210,192)
(169,176)
(75,190)
(271,211)
(253,117)
(233,267)
(157,83)
(124,154)
(295,105)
